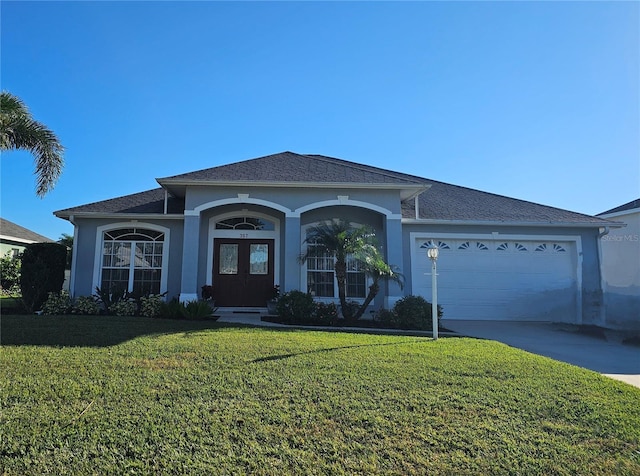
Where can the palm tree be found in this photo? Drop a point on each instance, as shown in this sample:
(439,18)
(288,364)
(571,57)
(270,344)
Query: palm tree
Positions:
(340,240)
(18,130)
(67,240)
(374,265)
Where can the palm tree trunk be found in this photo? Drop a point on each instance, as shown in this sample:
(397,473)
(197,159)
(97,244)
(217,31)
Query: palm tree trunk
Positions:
(341,276)
(373,291)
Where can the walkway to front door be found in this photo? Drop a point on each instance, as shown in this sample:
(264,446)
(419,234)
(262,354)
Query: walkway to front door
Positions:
(243,272)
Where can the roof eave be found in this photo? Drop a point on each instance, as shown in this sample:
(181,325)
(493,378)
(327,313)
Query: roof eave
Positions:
(552,224)
(134,216)
(621,213)
(179,186)
(24,240)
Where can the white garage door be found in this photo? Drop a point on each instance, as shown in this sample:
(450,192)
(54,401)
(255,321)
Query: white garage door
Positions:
(500,279)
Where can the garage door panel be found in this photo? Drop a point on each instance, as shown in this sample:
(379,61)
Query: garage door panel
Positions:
(502,279)
(557,304)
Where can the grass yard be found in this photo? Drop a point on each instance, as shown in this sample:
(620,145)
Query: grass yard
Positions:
(97,395)
(10,302)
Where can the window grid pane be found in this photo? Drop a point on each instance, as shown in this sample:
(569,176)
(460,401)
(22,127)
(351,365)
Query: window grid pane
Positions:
(146,281)
(146,265)
(115,280)
(356,284)
(320,273)
(320,283)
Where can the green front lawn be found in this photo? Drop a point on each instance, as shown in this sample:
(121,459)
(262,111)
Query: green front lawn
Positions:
(111,395)
(10,302)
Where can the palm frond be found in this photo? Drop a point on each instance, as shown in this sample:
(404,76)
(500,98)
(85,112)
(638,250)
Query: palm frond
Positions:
(18,130)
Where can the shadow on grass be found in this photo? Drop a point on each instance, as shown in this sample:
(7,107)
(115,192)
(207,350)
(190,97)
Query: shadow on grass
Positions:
(329,349)
(92,331)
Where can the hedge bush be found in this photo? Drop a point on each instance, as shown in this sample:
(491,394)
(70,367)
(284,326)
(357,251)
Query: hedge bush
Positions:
(86,305)
(295,307)
(42,272)
(124,308)
(414,312)
(151,306)
(57,304)
(325,314)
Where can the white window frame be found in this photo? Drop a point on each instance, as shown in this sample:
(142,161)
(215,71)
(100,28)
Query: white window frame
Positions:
(305,270)
(100,241)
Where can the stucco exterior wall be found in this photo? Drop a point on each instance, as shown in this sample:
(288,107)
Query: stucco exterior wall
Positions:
(289,240)
(621,272)
(292,208)
(292,198)
(82,268)
(190,257)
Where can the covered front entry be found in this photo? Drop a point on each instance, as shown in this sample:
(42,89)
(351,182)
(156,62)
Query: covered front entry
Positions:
(243,271)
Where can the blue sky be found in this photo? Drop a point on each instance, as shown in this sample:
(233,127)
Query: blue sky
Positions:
(538,101)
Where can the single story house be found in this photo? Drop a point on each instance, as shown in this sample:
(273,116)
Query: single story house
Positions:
(14,238)
(241,228)
(621,267)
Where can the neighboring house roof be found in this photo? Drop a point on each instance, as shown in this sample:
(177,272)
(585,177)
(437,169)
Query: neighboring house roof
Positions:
(10,231)
(437,201)
(633,204)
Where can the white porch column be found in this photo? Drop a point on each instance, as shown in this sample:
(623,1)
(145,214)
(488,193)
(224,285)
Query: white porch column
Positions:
(395,256)
(292,241)
(190,247)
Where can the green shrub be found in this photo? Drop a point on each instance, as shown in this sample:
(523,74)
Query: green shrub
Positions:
(295,307)
(57,304)
(414,312)
(386,317)
(10,274)
(171,310)
(196,309)
(124,308)
(107,298)
(42,272)
(351,310)
(325,314)
(86,305)
(150,306)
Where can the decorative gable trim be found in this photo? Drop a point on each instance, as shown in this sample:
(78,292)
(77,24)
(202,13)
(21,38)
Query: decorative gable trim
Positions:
(242,198)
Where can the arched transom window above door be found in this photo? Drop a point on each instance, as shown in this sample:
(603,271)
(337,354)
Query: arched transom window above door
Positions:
(245,223)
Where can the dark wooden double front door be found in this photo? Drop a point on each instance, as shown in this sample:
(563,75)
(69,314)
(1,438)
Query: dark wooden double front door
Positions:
(242,272)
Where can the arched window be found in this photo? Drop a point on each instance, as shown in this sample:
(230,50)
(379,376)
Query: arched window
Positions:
(245,223)
(132,260)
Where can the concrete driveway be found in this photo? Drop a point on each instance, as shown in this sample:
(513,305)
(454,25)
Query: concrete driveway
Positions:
(604,354)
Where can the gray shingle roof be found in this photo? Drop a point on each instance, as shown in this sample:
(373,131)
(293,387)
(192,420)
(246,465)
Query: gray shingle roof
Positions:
(440,202)
(148,202)
(623,208)
(451,202)
(296,168)
(10,229)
